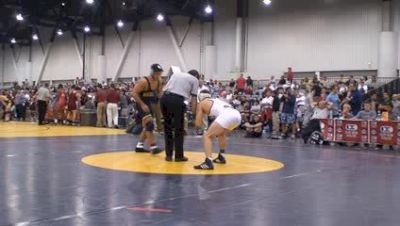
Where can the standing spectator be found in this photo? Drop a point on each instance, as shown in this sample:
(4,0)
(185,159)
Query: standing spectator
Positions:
(276,109)
(266,108)
(232,84)
(241,84)
(367,81)
(43,96)
(249,82)
(334,100)
(61,101)
(282,81)
(362,87)
(101,98)
(288,117)
(290,75)
(73,101)
(355,99)
(20,105)
(113,100)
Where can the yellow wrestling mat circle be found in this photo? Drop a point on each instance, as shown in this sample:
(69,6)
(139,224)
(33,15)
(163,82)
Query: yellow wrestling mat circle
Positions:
(130,161)
(28,129)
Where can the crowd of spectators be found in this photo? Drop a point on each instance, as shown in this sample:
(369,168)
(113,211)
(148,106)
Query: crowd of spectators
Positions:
(65,102)
(282,108)
(276,108)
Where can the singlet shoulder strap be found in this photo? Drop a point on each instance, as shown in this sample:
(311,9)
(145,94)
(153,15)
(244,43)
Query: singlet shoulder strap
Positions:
(148,84)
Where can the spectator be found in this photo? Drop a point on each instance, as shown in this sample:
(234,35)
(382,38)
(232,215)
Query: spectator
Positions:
(101,99)
(232,84)
(73,104)
(282,81)
(256,108)
(254,127)
(113,99)
(321,110)
(367,113)
(249,82)
(61,102)
(355,99)
(324,81)
(346,112)
(241,84)
(276,109)
(20,105)
(334,100)
(396,107)
(362,87)
(386,104)
(288,116)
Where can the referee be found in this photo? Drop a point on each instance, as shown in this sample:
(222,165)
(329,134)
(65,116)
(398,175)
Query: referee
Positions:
(181,86)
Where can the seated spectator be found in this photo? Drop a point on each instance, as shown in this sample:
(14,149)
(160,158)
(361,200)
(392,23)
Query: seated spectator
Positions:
(254,126)
(386,104)
(324,81)
(366,114)
(256,108)
(346,112)
(396,107)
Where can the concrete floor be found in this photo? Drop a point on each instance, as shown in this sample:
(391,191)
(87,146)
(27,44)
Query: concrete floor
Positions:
(44,182)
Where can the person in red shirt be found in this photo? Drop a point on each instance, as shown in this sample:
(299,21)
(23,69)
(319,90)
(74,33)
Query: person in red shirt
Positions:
(73,100)
(290,75)
(113,99)
(241,83)
(101,99)
(60,104)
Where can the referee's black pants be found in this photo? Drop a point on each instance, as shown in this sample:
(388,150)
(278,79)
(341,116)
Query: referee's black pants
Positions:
(173,109)
(42,108)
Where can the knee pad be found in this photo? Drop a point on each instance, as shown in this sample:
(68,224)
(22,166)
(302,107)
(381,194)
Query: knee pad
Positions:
(150,126)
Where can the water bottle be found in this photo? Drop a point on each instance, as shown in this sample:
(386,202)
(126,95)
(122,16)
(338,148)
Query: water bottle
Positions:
(379,116)
(330,114)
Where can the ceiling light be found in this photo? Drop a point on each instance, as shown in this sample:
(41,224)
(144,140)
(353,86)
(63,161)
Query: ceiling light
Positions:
(90,2)
(267,2)
(160,17)
(120,23)
(63,4)
(59,32)
(208,9)
(86,29)
(19,17)
(35,37)
(13,41)
(124,3)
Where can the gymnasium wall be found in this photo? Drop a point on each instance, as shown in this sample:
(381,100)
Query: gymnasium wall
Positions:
(308,35)
(313,35)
